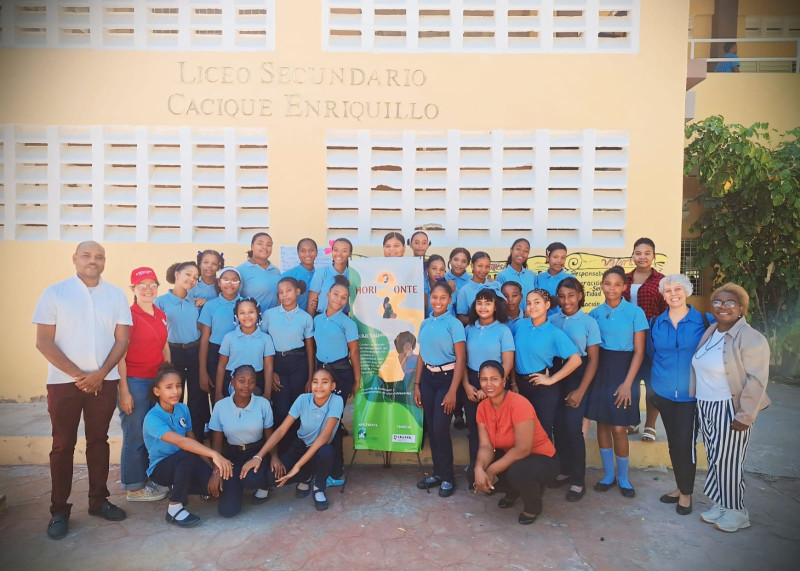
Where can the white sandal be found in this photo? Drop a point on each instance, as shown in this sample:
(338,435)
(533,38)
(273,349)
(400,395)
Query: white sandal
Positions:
(648,434)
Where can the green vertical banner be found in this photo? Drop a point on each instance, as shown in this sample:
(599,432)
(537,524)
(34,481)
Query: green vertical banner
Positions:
(386,301)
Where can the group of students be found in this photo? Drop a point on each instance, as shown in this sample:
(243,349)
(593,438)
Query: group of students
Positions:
(257,349)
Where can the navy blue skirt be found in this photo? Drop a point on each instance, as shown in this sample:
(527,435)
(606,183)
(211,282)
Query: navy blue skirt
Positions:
(611,371)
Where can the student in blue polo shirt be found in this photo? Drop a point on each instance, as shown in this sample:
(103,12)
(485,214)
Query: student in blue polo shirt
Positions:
(440,369)
(488,338)
(538,343)
(585,334)
(304,271)
(183,337)
(336,341)
(176,458)
(434,273)
(216,319)
(556,257)
(457,268)
(246,345)
(240,425)
(312,452)
(341,250)
(259,276)
(292,331)
(209,262)
(512,291)
(613,400)
(481,265)
(517,268)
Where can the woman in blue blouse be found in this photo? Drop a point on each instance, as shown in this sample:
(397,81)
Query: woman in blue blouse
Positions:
(488,339)
(217,319)
(671,343)
(341,250)
(304,271)
(457,268)
(440,368)
(184,338)
(614,397)
(481,266)
(585,334)
(538,344)
(209,263)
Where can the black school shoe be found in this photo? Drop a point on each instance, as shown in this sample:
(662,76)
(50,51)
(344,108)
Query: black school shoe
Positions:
(526,519)
(429,482)
(681,510)
(601,487)
(506,502)
(190,520)
(58,527)
(573,496)
(447,492)
(667,499)
(110,512)
(627,492)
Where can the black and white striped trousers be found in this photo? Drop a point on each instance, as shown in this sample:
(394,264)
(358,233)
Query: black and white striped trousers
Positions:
(726,449)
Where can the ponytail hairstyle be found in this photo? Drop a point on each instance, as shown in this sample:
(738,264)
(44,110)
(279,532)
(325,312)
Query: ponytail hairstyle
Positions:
(443,285)
(179,267)
(434,258)
(492,364)
(396,235)
(478,256)
(242,368)
(300,243)
(544,294)
(408,242)
(242,300)
(554,246)
(340,280)
(202,253)
(573,283)
(615,270)
(255,237)
(299,284)
(488,295)
(349,244)
(517,241)
(512,283)
(458,250)
(164,369)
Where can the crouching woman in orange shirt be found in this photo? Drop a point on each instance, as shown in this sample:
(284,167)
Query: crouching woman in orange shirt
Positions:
(514,455)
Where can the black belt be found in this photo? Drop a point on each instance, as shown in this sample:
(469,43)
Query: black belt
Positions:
(184,345)
(340,364)
(291,352)
(242,447)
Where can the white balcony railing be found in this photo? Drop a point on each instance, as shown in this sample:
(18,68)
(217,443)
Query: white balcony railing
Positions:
(754,64)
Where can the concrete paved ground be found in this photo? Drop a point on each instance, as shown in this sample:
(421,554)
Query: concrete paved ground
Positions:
(382,521)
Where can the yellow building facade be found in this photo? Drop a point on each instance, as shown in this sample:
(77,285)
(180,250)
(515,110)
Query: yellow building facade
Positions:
(163,128)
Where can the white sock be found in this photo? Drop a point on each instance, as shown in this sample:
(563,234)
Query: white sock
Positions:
(261,493)
(173,509)
(303,486)
(320,496)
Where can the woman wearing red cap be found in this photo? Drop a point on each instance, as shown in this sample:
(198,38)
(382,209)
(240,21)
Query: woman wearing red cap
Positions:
(147,349)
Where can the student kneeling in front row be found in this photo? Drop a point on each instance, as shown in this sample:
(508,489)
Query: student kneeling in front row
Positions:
(176,458)
(313,452)
(240,425)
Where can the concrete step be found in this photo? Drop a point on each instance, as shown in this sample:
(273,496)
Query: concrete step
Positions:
(25,438)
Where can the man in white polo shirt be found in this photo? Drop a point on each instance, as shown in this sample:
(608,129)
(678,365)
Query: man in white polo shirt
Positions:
(82,330)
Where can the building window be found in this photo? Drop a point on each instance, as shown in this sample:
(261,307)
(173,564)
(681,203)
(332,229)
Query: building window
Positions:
(490,26)
(690,266)
(479,188)
(133,184)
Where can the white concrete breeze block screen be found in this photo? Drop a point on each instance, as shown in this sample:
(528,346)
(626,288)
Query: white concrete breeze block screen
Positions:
(496,26)
(479,188)
(186,25)
(133,184)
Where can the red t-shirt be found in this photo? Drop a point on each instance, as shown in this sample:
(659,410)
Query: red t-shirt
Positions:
(500,423)
(148,334)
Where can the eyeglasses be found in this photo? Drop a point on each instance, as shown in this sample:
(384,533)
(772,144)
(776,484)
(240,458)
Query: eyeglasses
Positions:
(143,287)
(226,281)
(730,304)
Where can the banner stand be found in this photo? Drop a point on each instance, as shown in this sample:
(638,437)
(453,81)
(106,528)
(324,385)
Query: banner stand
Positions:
(387,463)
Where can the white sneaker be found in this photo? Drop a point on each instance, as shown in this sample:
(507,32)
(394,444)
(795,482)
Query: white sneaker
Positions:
(712,515)
(157,487)
(733,520)
(146,494)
